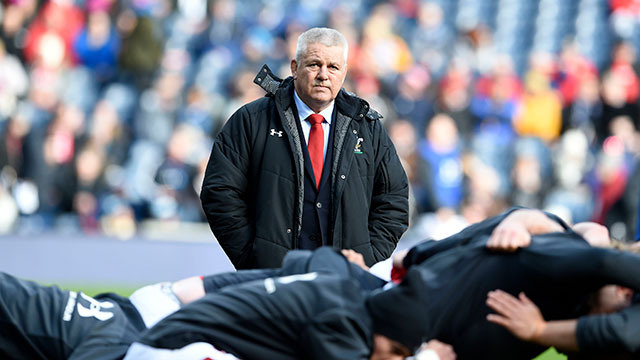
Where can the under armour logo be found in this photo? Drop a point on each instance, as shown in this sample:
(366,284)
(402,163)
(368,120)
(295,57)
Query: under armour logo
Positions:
(95,308)
(274,133)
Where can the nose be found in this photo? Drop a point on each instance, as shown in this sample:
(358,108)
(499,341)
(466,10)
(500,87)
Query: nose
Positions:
(323,73)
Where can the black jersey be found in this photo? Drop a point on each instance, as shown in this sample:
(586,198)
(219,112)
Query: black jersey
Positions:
(308,316)
(322,260)
(38,322)
(558,272)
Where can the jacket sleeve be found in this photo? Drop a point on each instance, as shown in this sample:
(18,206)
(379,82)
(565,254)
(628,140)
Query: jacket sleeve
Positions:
(612,332)
(224,196)
(389,210)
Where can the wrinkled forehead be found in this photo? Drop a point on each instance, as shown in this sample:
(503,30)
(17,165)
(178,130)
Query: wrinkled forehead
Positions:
(333,53)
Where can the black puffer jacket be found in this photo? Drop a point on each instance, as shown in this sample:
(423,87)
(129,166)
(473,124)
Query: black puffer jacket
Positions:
(253,187)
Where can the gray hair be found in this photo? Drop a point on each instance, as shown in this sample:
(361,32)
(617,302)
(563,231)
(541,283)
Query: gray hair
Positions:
(324,36)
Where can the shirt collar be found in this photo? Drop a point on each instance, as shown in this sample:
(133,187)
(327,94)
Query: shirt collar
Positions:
(304,111)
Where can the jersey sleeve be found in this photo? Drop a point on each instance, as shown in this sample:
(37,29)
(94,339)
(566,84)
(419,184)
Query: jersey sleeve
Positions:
(611,332)
(213,283)
(474,232)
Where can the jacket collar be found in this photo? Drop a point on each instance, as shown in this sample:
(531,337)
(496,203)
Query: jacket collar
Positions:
(282,90)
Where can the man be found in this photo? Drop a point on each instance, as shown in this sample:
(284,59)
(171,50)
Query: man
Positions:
(447,282)
(606,336)
(38,322)
(275,181)
(308,316)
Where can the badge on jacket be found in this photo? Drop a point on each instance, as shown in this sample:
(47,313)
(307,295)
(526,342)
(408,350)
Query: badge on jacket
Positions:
(274,133)
(358,148)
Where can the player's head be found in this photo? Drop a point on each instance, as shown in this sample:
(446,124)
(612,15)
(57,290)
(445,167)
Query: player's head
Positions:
(613,298)
(610,299)
(594,233)
(387,349)
(398,313)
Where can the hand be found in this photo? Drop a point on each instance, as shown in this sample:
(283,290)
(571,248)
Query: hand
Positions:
(355,257)
(398,271)
(518,315)
(441,350)
(509,235)
(398,258)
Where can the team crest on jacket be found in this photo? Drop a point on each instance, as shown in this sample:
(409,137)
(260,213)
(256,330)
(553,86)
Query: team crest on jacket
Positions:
(358,148)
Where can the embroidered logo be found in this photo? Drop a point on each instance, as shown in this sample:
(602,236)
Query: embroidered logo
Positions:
(358,148)
(274,133)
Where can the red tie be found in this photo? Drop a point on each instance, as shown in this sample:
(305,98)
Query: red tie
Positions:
(316,145)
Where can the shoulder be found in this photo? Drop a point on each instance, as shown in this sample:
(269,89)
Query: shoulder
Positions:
(257,106)
(353,104)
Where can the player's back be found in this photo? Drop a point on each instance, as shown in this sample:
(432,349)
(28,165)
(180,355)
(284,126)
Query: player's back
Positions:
(309,316)
(38,322)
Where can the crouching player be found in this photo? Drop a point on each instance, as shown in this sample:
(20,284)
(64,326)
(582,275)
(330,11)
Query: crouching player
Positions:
(38,322)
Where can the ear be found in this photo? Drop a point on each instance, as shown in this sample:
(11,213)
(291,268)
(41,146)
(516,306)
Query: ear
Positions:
(624,293)
(294,69)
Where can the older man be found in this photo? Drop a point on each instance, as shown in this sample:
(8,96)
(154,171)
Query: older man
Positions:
(308,165)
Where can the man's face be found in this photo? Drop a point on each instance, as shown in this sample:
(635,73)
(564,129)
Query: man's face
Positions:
(387,349)
(319,75)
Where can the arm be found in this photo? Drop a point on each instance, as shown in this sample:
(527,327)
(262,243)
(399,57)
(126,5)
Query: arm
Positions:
(193,288)
(523,319)
(389,211)
(224,190)
(213,283)
(516,229)
(611,332)
(427,249)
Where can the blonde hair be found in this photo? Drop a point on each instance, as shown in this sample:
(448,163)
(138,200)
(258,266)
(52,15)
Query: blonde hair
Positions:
(623,246)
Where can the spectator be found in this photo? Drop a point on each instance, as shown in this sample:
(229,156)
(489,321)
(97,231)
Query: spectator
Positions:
(540,112)
(571,193)
(411,100)
(193,62)
(531,173)
(97,46)
(13,78)
(49,38)
(441,170)
(141,46)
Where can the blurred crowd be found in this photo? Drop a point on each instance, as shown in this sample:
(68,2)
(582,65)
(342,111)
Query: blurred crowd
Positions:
(108,109)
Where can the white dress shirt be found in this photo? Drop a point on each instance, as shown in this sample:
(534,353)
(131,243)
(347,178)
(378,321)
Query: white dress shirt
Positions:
(303,113)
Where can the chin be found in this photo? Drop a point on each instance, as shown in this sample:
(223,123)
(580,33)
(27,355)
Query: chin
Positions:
(321,99)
